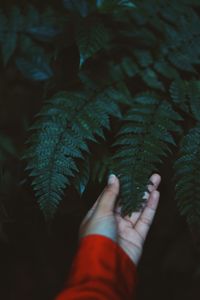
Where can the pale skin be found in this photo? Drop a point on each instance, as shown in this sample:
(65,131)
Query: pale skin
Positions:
(128,232)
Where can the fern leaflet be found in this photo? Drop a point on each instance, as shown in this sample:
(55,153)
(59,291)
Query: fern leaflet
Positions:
(142,141)
(91,37)
(187,174)
(66,124)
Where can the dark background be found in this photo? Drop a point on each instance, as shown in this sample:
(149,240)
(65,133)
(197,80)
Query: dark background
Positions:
(35,258)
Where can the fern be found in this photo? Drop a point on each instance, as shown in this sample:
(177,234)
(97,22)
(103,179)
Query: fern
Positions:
(187,175)
(14,31)
(163,67)
(81,180)
(194,98)
(129,67)
(43,27)
(142,141)
(91,37)
(178,91)
(80,6)
(114,4)
(151,79)
(66,124)
(132,69)
(182,45)
(11,26)
(84,7)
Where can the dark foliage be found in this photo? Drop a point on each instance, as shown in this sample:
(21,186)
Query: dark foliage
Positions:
(136,67)
(93,87)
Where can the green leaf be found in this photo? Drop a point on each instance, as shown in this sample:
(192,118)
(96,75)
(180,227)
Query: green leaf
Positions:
(187,176)
(3,26)
(10,36)
(165,69)
(44,27)
(81,180)
(144,57)
(182,43)
(34,64)
(178,91)
(142,141)
(194,98)
(44,32)
(91,37)
(151,79)
(129,67)
(80,6)
(109,6)
(35,69)
(64,127)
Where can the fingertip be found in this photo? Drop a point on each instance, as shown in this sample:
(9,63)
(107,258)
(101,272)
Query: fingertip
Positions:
(154,182)
(113,184)
(112,179)
(156,179)
(108,198)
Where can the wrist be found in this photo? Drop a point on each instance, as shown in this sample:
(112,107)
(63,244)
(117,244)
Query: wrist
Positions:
(106,227)
(134,254)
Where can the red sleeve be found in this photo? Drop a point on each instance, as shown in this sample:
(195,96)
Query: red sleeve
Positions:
(101,270)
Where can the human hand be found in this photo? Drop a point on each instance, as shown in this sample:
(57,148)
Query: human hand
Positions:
(129,232)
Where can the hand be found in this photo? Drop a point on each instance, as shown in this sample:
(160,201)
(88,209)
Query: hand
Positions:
(129,232)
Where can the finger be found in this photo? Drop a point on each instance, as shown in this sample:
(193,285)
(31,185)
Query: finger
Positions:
(94,206)
(90,212)
(92,209)
(152,186)
(108,198)
(146,218)
(154,180)
(132,219)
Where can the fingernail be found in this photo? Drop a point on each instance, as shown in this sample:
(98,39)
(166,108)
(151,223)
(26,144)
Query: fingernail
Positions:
(111,179)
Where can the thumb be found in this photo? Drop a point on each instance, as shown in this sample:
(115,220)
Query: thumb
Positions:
(108,198)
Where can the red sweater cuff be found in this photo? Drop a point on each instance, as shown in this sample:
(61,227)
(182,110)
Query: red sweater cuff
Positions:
(100,270)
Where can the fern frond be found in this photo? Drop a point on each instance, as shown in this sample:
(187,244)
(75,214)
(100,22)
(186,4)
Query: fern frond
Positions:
(165,69)
(178,91)
(187,174)
(80,6)
(194,98)
(33,63)
(143,140)
(144,57)
(129,67)
(81,180)
(12,26)
(101,166)
(66,124)
(150,77)
(91,37)
(42,26)
(147,74)
(113,5)
(183,43)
